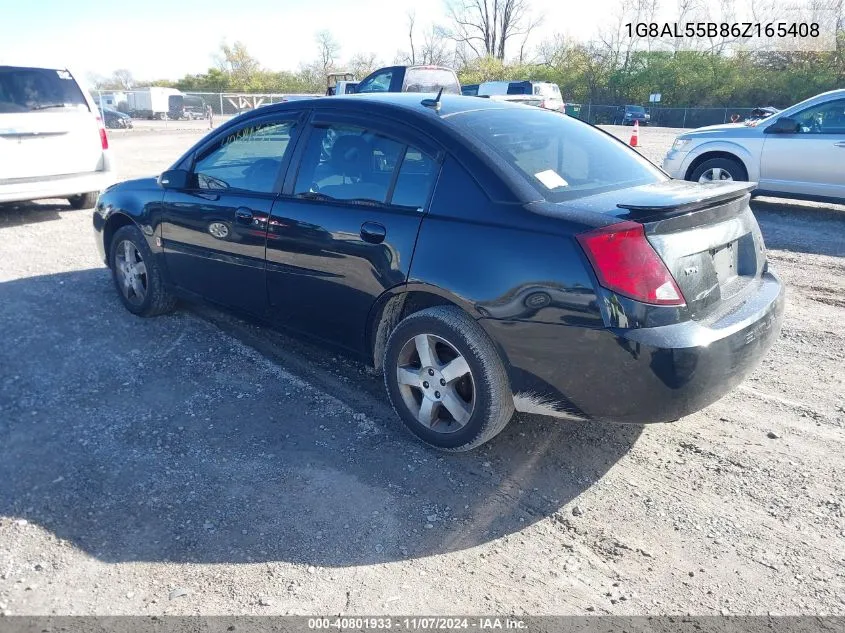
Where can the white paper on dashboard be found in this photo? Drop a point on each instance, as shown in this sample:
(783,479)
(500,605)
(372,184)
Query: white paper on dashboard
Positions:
(551,179)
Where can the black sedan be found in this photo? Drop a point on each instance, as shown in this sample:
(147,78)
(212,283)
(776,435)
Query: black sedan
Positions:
(487,257)
(114,119)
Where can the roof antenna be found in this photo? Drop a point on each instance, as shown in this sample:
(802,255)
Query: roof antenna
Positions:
(433,103)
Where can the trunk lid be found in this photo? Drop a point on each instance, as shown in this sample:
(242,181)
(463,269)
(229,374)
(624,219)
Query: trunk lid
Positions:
(49,143)
(705,234)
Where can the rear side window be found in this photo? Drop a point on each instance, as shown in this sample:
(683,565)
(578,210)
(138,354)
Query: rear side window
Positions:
(431,80)
(561,157)
(350,163)
(38,90)
(416,178)
(344,162)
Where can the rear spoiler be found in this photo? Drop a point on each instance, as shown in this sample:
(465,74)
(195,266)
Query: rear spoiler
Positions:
(688,197)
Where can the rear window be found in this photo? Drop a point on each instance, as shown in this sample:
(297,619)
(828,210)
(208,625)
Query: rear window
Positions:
(38,90)
(635,109)
(563,158)
(431,80)
(519,88)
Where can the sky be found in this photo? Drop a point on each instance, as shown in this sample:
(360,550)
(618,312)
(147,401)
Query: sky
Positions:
(165,39)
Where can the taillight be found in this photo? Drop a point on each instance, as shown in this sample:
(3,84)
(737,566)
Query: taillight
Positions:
(626,263)
(104,139)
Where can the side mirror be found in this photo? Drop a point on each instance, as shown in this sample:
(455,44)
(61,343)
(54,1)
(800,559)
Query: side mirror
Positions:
(174,179)
(783,125)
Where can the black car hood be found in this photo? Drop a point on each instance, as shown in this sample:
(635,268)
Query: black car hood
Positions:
(136,184)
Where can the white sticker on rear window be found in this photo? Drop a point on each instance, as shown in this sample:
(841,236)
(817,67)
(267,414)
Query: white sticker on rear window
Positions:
(63,74)
(551,179)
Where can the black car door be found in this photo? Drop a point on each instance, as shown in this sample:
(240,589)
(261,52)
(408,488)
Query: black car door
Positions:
(213,232)
(345,227)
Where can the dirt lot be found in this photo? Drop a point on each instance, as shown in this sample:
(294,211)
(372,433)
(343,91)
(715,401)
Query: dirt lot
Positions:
(196,463)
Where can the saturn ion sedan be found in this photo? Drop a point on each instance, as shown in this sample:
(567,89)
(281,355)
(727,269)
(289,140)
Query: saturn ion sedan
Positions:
(487,257)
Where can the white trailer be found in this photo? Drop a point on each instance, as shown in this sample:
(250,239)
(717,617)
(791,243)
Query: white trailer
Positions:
(156,102)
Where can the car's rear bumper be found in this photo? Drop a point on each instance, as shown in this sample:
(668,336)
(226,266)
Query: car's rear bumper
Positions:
(639,375)
(55,186)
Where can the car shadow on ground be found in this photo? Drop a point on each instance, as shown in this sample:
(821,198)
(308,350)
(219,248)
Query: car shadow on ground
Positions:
(173,439)
(801,227)
(21,213)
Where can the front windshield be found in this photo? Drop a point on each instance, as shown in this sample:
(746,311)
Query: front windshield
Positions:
(561,157)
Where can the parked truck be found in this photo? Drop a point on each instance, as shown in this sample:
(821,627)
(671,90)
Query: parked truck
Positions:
(540,94)
(156,102)
(342,83)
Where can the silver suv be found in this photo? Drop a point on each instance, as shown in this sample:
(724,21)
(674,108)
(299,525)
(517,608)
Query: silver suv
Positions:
(798,152)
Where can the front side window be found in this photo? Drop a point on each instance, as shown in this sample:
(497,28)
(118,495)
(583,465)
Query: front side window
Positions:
(825,118)
(561,157)
(377,83)
(247,159)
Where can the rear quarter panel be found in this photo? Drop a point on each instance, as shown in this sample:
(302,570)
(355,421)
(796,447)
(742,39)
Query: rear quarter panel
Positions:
(505,266)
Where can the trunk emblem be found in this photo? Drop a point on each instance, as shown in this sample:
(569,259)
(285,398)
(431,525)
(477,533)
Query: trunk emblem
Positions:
(691,270)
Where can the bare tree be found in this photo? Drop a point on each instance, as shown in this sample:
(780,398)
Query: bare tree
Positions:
(486,26)
(123,78)
(617,43)
(436,48)
(411,20)
(363,64)
(328,48)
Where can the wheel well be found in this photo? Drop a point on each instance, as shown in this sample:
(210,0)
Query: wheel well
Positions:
(115,222)
(388,315)
(708,155)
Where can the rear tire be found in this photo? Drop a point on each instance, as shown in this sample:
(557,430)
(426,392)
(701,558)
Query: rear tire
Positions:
(718,169)
(84,201)
(136,275)
(457,396)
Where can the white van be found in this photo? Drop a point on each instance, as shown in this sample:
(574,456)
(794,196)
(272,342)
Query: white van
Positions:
(53,143)
(541,94)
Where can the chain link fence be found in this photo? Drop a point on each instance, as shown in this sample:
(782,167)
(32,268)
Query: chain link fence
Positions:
(169,104)
(665,117)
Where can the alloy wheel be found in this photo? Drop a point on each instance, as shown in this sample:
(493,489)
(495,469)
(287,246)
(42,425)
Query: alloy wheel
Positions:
(436,383)
(131,272)
(715,174)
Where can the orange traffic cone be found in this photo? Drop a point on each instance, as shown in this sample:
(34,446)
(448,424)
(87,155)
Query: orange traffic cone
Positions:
(635,135)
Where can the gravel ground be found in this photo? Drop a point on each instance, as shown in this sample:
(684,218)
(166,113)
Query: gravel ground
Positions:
(198,464)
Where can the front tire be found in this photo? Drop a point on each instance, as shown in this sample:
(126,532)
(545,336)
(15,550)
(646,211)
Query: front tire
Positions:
(445,379)
(84,201)
(718,169)
(136,275)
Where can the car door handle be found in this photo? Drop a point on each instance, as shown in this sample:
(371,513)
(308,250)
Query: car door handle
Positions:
(373,232)
(243,215)
(842,144)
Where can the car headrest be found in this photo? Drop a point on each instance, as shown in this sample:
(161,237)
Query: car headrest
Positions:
(351,155)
